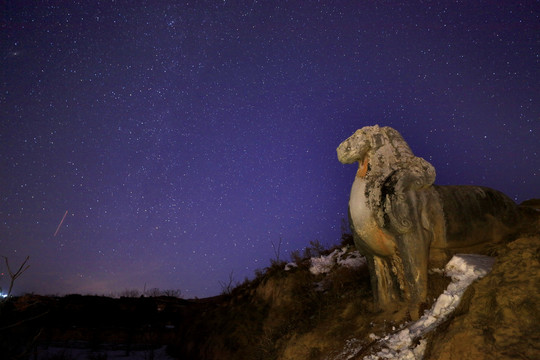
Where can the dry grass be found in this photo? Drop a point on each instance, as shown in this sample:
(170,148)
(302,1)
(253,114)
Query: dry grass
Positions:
(283,314)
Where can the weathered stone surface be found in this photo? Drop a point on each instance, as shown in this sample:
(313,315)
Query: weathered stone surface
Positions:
(404,224)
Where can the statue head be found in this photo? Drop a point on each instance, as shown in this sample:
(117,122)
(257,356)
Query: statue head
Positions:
(357,146)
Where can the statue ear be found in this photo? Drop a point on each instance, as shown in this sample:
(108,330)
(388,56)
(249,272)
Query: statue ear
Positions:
(399,192)
(382,135)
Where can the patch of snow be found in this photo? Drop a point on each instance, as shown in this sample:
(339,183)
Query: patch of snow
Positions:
(353,260)
(351,348)
(290,266)
(83,354)
(435,271)
(464,269)
(323,264)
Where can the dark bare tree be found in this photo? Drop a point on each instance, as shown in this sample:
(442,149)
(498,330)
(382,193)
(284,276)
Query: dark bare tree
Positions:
(14,275)
(277,248)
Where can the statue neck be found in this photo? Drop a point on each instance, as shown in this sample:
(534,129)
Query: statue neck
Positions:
(363,167)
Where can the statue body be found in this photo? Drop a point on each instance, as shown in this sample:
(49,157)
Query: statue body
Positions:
(404,224)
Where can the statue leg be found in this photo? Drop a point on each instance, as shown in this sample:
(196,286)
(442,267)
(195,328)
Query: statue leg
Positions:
(385,281)
(413,250)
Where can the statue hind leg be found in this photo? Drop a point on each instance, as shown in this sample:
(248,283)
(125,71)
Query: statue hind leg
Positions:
(413,251)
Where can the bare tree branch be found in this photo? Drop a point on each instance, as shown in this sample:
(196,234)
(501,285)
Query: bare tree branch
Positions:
(227,288)
(277,248)
(14,275)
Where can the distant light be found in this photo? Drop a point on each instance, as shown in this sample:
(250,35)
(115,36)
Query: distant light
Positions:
(3,295)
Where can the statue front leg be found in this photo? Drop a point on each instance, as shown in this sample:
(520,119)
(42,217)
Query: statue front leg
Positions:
(385,275)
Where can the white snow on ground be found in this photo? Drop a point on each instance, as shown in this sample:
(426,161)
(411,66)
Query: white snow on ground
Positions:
(290,266)
(464,269)
(84,354)
(324,264)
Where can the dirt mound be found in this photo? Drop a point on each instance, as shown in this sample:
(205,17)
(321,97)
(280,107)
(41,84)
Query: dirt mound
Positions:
(499,317)
(319,308)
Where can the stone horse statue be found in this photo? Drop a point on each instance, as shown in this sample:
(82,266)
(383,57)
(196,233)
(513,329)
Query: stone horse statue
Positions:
(403,223)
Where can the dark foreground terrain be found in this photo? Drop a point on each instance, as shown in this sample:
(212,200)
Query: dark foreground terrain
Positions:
(291,314)
(31,322)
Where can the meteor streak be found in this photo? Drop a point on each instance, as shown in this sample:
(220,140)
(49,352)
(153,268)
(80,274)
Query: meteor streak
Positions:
(58,228)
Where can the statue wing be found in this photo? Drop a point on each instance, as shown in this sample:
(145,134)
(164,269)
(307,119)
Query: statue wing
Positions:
(399,194)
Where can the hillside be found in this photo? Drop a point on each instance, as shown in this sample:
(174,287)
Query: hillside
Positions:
(303,314)
(318,306)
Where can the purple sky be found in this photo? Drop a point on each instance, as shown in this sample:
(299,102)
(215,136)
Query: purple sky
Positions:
(184,138)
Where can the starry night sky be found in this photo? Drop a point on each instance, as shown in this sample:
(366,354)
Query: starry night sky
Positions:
(183,138)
